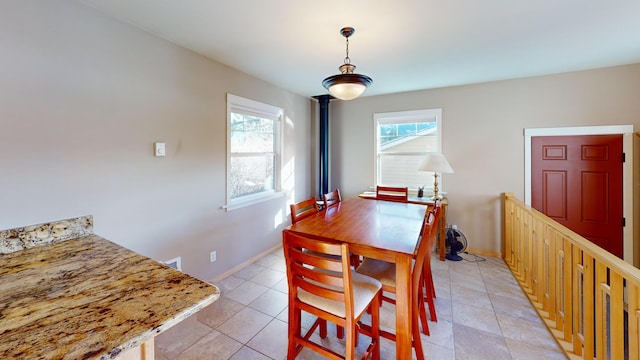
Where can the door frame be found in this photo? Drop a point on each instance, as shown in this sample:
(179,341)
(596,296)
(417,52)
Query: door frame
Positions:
(627,133)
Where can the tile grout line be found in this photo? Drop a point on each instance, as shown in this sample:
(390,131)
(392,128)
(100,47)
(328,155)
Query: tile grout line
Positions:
(491,272)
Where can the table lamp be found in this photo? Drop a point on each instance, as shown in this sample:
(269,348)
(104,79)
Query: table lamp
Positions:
(437,163)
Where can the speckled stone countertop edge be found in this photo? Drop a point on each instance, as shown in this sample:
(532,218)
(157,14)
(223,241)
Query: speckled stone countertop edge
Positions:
(135,342)
(26,237)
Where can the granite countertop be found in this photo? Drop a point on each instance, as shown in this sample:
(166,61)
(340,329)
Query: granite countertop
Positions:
(87,298)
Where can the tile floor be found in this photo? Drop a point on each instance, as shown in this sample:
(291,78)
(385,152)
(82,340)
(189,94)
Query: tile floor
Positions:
(482,314)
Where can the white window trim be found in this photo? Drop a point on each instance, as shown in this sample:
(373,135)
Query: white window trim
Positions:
(404,116)
(275,113)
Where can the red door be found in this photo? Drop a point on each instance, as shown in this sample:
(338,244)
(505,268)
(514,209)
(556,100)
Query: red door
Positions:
(577,181)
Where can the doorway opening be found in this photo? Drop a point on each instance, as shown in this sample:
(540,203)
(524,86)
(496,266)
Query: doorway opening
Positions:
(627,169)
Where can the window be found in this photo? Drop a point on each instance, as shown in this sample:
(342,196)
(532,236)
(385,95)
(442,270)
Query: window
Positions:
(253,151)
(402,139)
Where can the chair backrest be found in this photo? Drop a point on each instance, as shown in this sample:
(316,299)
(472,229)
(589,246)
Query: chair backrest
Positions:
(427,240)
(303,209)
(390,193)
(433,211)
(318,268)
(332,198)
(436,210)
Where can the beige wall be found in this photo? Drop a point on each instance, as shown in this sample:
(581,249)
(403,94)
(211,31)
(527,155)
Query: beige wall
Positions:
(483,135)
(82,99)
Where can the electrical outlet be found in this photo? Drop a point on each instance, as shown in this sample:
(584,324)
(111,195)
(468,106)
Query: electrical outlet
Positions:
(158,149)
(212,256)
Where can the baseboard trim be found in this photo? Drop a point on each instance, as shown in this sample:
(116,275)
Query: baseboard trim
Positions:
(244,264)
(484,252)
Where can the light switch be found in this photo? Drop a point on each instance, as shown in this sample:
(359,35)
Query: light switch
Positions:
(158,149)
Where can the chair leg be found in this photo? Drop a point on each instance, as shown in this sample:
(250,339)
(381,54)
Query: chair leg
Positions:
(415,331)
(432,306)
(375,325)
(294,331)
(323,328)
(428,278)
(429,296)
(423,318)
(350,347)
(433,288)
(421,297)
(355,260)
(417,344)
(430,291)
(340,334)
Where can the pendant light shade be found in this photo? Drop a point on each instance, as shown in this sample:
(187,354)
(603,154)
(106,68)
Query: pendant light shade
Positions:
(347,85)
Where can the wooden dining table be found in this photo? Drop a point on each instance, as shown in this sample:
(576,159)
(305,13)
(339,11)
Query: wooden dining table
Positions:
(444,202)
(377,229)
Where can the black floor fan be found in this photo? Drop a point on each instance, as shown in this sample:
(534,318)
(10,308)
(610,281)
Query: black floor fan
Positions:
(456,242)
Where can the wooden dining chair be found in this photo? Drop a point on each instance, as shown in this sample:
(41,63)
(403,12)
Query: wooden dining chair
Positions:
(386,273)
(429,286)
(303,209)
(390,193)
(327,287)
(308,207)
(331,199)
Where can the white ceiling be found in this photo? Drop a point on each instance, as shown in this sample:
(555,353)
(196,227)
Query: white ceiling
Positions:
(402,44)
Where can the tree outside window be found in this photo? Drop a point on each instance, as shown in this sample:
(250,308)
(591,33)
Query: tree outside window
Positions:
(253,151)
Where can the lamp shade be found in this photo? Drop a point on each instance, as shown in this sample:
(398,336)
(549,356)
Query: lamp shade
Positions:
(435,162)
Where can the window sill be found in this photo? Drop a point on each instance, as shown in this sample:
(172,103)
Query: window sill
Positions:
(252,200)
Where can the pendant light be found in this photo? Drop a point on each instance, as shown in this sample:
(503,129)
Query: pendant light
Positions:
(347,85)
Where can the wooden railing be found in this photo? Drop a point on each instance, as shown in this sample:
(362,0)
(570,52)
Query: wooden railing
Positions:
(588,298)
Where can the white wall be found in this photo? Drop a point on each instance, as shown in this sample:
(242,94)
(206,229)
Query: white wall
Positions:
(483,127)
(82,99)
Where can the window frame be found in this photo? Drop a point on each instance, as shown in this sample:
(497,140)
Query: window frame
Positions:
(239,105)
(408,116)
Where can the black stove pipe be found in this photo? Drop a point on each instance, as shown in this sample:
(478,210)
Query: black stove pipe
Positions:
(323,174)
